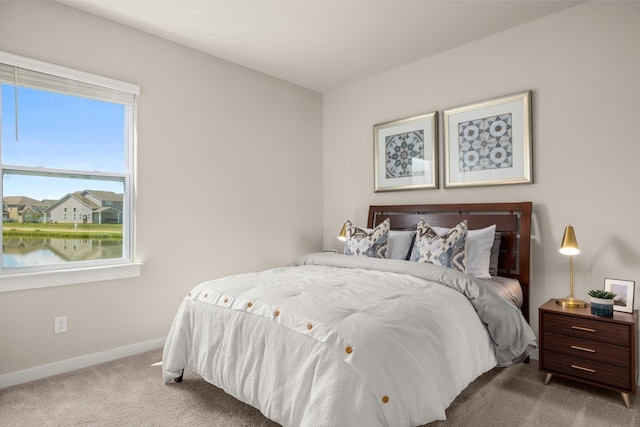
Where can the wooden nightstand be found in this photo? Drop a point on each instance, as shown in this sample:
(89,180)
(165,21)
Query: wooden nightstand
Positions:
(596,350)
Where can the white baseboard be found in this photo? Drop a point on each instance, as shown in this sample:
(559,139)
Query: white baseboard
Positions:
(31,374)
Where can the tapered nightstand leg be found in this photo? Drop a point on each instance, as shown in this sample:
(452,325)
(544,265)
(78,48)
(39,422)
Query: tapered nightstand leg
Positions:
(547,380)
(625,398)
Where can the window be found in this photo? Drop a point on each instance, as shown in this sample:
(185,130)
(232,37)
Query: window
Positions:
(66,146)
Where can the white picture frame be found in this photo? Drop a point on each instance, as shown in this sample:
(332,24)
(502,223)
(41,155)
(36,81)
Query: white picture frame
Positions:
(624,290)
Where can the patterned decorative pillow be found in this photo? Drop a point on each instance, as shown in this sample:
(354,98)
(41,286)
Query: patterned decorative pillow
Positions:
(361,243)
(447,250)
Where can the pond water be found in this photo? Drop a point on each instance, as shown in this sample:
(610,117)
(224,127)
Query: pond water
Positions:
(26,252)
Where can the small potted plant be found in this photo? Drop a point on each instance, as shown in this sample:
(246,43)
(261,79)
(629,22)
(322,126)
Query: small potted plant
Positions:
(602,302)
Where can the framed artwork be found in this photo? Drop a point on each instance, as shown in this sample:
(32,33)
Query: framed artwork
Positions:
(405,153)
(624,290)
(489,142)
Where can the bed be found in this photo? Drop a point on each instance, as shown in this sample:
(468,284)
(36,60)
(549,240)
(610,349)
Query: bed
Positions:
(342,340)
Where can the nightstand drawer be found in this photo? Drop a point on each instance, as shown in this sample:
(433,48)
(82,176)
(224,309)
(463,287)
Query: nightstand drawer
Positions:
(587,349)
(591,370)
(586,328)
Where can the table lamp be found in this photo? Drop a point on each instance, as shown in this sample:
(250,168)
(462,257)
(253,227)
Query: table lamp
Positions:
(570,247)
(343,233)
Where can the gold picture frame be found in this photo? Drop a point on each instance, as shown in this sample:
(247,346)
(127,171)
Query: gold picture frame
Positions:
(405,153)
(489,142)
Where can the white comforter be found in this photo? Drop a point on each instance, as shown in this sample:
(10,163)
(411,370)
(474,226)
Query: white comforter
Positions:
(319,345)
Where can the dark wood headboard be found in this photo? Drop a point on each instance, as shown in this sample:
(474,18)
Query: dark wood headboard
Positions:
(512,220)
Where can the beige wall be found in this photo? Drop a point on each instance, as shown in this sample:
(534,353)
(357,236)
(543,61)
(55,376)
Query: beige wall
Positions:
(236,147)
(583,66)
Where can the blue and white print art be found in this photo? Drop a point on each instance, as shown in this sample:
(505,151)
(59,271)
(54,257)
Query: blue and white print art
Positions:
(489,142)
(485,143)
(405,154)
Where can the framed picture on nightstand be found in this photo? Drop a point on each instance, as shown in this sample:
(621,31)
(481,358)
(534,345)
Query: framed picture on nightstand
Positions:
(624,290)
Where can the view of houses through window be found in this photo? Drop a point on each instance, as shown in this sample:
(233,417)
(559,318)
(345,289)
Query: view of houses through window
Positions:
(66,161)
(79,226)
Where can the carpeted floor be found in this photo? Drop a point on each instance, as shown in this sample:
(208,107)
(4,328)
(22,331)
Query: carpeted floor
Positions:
(130,392)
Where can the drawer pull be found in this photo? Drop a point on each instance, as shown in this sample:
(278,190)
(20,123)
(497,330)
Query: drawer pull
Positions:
(590,350)
(580,328)
(583,368)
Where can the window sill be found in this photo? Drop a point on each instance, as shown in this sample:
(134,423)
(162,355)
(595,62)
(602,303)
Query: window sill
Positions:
(17,282)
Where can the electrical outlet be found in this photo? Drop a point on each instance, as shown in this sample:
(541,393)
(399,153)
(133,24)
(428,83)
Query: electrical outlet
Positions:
(60,324)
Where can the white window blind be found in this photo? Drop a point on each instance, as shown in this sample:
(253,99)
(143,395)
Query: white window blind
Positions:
(36,74)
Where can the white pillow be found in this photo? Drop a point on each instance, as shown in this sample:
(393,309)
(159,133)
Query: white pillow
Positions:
(478,250)
(399,243)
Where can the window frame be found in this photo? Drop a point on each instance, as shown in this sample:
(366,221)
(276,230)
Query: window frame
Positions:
(81,271)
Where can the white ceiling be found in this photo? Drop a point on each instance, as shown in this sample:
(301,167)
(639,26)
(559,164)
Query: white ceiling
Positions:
(321,44)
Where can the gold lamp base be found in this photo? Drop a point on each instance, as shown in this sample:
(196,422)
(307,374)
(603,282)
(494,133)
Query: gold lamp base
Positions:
(571,302)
